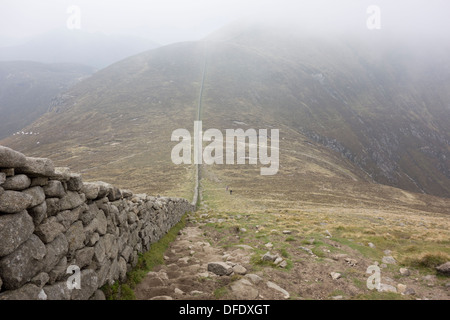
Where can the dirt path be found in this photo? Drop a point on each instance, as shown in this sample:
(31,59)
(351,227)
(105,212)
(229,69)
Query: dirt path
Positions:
(198,266)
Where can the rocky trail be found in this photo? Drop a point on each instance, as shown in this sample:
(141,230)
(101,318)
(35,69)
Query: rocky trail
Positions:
(198,267)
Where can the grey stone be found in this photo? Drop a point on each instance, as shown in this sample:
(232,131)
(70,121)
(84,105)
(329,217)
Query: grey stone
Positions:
(122,269)
(75,182)
(40,280)
(238,269)
(410,292)
(56,250)
(27,292)
(15,229)
(57,291)
(2,178)
(58,272)
(269,257)
(444,268)
(75,236)
(38,213)
(61,173)
(220,268)
(89,284)
(335,275)
(54,189)
(49,229)
(9,172)
(13,201)
(387,288)
(244,290)
(276,287)
(39,181)
(389,260)
(68,217)
(255,279)
(100,251)
(405,272)
(37,194)
(53,206)
(83,257)
(71,200)
(91,190)
(98,296)
(38,167)
(371,245)
(307,250)
(23,264)
(161,298)
(17,183)
(10,158)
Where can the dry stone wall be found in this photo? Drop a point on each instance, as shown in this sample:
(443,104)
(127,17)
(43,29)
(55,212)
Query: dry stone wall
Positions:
(54,228)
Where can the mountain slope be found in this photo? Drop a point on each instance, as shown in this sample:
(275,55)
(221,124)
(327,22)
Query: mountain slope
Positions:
(27,89)
(380,103)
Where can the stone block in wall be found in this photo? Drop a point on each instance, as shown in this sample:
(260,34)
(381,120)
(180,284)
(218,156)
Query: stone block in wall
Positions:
(89,284)
(20,266)
(68,217)
(56,250)
(39,181)
(75,182)
(10,158)
(58,272)
(53,206)
(61,173)
(40,280)
(75,237)
(14,201)
(27,292)
(58,291)
(91,190)
(16,183)
(2,178)
(71,200)
(9,172)
(49,229)
(83,257)
(37,167)
(37,194)
(15,229)
(54,189)
(38,213)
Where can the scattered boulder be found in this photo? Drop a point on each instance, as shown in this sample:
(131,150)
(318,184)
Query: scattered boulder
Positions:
(387,288)
(220,268)
(444,268)
(389,260)
(244,290)
(238,269)
(278,288)
(255,279)
(269,257)
(405,272)
(335,275)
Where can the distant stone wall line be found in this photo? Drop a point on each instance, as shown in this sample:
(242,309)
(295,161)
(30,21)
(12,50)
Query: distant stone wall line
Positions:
(50,219)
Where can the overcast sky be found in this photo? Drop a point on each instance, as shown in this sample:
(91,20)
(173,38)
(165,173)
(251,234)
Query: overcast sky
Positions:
(166,21)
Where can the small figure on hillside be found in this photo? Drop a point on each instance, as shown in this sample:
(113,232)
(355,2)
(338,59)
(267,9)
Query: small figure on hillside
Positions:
(231,191)
(227,188)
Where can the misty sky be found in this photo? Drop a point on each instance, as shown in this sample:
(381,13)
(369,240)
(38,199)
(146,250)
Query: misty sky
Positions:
(166,21)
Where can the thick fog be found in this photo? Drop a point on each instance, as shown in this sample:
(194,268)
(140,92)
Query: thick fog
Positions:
(166,21)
